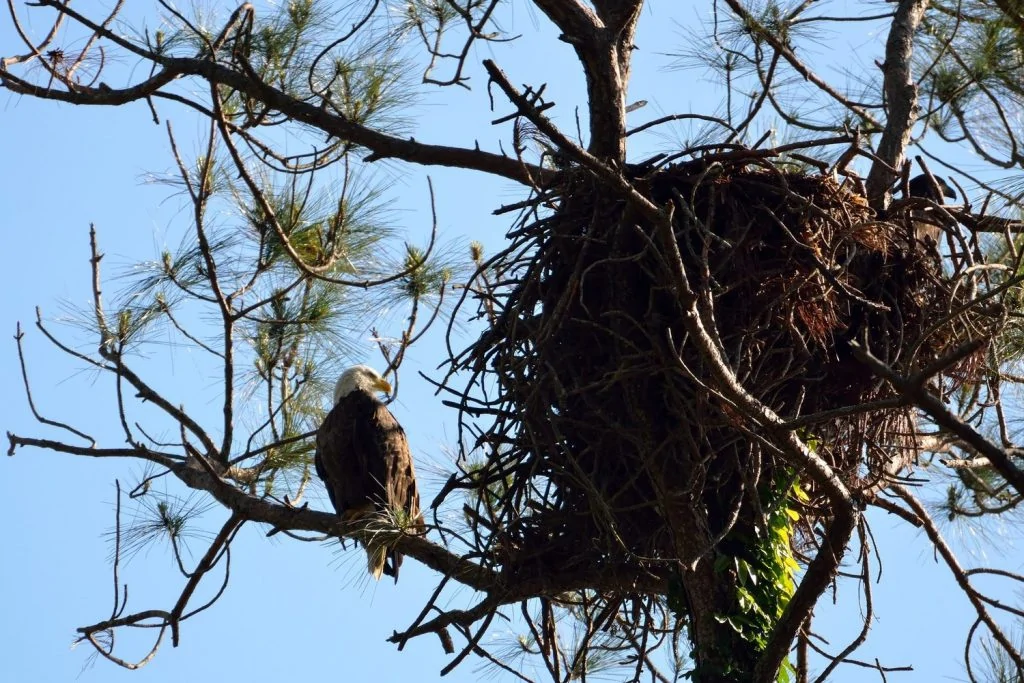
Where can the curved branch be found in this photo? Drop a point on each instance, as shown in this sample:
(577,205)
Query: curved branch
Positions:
(381,145)
(208,562)
(18,336)
(962,579)
(787,53)
(916,392)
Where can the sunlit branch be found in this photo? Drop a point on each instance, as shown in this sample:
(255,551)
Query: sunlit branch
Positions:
(381,145)
(209,560)
(163,459)
(18,336)
(961,577)
(145,392)
(915,390)
(200,194)
(779,46)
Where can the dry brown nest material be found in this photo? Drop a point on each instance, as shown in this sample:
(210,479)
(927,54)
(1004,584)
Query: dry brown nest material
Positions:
(607,443)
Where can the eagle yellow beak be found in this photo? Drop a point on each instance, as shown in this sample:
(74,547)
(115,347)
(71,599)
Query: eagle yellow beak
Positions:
(382,385)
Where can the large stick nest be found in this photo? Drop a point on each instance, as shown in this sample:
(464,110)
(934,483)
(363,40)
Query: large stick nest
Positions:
(611,446)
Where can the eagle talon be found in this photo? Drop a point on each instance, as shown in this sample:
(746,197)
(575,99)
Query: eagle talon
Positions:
(355,514)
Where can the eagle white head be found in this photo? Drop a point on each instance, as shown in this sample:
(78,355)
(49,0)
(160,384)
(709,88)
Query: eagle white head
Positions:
(360,378)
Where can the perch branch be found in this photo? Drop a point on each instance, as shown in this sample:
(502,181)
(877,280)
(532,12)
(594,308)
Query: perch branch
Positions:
(915,391)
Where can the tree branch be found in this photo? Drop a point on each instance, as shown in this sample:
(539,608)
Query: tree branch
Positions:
(961,577)
(605,51)
(163,459)
(901,98)
(381,145)
(914,390)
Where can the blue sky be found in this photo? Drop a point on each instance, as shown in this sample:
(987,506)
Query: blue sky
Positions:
(297,610)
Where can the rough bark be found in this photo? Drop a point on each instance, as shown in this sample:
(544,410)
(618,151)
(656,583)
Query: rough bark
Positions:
(901,99)
(603,42)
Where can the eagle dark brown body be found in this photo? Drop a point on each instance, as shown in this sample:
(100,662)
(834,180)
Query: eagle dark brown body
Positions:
(926,226)
(363,457)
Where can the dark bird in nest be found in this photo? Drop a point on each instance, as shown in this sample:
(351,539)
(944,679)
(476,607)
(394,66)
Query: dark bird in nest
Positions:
(363,458)
(925,226)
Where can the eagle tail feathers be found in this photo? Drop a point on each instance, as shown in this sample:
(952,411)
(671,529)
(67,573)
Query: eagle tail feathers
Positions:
(376,557)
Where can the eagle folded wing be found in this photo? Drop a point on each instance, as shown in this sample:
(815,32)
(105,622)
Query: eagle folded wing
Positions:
(363,457)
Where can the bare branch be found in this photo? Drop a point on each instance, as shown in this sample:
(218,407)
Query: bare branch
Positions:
(18,336)
(962,578)
(915,390)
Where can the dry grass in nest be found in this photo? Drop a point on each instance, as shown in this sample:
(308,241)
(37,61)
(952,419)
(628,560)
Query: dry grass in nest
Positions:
(610,445)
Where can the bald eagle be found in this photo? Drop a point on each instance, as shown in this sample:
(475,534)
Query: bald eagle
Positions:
(925,226)
(363,458)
